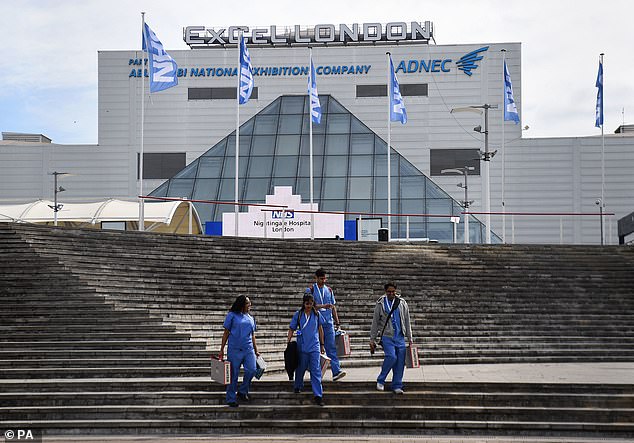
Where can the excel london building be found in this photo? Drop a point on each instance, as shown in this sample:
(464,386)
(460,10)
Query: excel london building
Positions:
(189,135)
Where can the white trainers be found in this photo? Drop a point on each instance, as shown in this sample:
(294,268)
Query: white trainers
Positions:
(340,375)
(380,387)
(399,391)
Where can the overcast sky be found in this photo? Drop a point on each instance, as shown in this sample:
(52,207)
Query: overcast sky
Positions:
(49,51)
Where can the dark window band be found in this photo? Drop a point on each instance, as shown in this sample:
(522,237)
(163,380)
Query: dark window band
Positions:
(440,159)
(161,165)
(216,93)
(408,89)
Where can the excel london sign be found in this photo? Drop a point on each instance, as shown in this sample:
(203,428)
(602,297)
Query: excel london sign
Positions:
(366,33)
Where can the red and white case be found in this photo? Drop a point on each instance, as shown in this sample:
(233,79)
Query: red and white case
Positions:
(220,371)
(342,341)
(411,357)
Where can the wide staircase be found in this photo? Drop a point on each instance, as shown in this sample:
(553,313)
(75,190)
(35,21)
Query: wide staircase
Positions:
(104,332)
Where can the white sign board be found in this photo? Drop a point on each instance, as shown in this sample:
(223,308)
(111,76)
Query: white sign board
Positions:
(368,229)
(284,222)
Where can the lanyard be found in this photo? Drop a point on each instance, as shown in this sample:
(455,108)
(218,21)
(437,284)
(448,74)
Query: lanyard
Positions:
(321,293)
(388,305)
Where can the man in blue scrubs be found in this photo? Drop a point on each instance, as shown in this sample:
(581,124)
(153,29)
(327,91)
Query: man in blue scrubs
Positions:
(307,324)
(242,351)
(392,330)
(325,303)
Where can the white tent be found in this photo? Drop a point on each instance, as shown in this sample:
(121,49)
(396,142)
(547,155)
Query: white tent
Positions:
(170,216)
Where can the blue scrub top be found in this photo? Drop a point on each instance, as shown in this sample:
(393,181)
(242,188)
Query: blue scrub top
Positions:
(323,296)
(241,328)
(307,331)
(399,337)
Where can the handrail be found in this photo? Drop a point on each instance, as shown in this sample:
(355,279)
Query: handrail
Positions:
(367,213)
(594,214)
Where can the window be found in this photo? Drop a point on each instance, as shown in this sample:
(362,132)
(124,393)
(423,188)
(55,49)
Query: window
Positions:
(371,90)
(408,89)
(414,90)
(453,158)
(160,165)
(114,225)
(216,93)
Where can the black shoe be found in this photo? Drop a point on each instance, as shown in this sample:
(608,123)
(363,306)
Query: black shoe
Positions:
(319,401)
(244,397)
(297,390)
(339,376)
(233,404)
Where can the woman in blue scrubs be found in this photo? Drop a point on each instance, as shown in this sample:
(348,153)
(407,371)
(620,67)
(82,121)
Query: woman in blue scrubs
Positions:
(307,324)
(242,351)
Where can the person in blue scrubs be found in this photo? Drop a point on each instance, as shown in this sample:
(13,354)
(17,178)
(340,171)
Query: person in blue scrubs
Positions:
(325,303)
(307,324)
(242,350)
(396,330)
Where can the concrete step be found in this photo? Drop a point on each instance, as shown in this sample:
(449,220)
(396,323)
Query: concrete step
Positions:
(332,412)
(182,406)
(105,372)
(427,397)
(105,344)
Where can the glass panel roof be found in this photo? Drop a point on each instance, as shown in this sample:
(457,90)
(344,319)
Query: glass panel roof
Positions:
(349,168)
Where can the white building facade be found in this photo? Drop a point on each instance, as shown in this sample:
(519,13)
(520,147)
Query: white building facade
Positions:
(551,176)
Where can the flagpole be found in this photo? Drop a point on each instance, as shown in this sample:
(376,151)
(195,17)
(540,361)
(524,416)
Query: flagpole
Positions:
(236,208)
(310,135)
(389,169)
(602,148)
(141,200)
(503,147)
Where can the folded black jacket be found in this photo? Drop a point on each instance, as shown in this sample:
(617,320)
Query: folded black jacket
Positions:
(291,359)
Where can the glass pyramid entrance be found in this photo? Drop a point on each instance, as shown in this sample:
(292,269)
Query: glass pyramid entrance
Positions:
(350,171)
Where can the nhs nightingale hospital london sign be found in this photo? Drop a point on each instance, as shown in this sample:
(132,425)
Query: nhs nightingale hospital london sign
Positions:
(365,33)
(291,219)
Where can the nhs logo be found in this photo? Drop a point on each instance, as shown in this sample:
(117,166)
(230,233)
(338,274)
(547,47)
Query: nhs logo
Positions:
(282,214)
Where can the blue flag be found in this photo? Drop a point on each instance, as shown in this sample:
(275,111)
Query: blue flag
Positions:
(246,73)
(315,106)
(397,106)
(599,111)
(162,66)
(510,109)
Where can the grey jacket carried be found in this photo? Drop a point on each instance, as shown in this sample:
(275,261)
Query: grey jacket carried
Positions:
(380,317)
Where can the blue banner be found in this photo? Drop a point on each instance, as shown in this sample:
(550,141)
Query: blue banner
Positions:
(397,106)
(599,111)
(163,68)
(315,106)
(246,73)
(510,109)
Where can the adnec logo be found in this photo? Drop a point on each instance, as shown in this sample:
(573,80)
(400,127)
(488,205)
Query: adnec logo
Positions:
(466,64)
(468,61)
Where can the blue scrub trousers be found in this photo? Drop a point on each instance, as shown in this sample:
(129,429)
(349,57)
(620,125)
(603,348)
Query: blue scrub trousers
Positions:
(310,361)
(240,357)
(394,361)
(331,348)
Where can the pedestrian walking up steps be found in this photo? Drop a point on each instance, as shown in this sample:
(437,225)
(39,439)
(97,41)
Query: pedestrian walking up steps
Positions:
(79,308)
